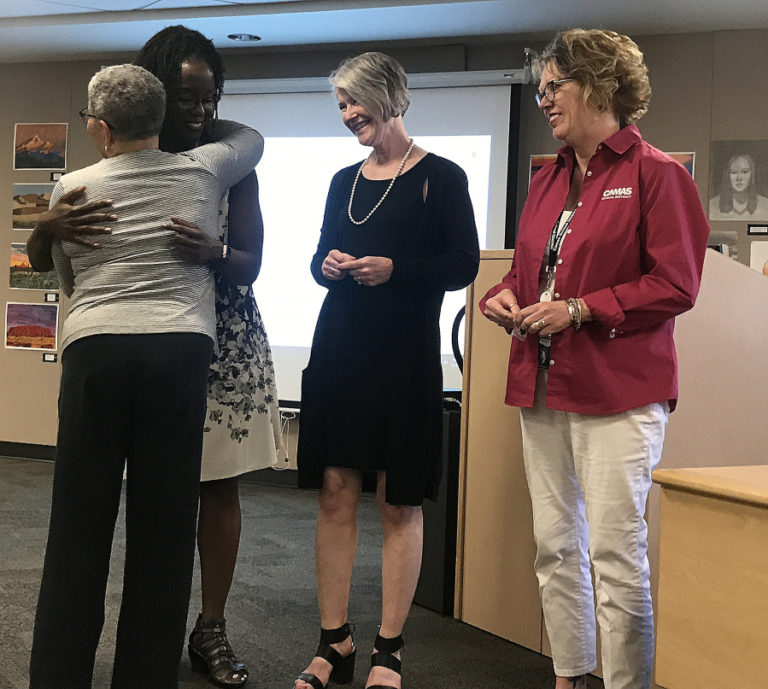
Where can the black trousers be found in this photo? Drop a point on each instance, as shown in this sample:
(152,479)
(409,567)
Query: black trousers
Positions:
(135,401)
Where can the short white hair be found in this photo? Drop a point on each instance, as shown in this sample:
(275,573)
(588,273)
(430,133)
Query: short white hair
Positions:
(130,98)
(376,81)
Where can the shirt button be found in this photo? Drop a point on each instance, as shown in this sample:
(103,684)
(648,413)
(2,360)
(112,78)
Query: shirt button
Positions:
(551,362)
(568,231)
(559,261)
(612,335)
(557,294)
(599,147)
(589,173)
(613,330)
(579,204)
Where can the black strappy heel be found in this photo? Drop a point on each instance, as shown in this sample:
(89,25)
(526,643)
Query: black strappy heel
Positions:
(384,656)
(342,667)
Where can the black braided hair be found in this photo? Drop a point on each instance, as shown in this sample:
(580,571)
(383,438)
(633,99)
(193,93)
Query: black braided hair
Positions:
(164,53)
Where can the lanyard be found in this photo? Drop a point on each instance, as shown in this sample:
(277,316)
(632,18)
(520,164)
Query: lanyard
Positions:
(555,242)
(556,239)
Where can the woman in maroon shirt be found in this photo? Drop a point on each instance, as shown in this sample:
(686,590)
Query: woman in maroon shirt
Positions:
(610,250)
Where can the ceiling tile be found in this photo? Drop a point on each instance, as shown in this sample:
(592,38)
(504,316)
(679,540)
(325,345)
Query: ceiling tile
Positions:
(181,4)
(178,4)
(35,8)
(95,5)
(39,30)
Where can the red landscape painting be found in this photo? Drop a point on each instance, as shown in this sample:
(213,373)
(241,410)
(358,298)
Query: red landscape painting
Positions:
(31,326)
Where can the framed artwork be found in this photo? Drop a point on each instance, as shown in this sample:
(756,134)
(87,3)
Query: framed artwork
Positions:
(738,181)
(31,326)
(22,275)
(687,160)
(40,146)
(537,162)
(29,202)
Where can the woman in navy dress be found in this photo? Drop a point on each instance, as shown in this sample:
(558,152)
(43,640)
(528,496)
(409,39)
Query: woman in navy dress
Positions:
(398,232)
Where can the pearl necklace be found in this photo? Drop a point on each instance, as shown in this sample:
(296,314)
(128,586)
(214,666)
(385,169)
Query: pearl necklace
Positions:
(381,200)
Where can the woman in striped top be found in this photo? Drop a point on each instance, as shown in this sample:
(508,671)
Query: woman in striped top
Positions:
(136,348)
(242,432)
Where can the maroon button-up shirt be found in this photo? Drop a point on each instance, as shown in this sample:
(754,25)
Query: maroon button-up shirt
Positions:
(634,253)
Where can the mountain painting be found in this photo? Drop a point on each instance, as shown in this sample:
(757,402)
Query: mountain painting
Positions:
(29,202)
(40,147)
(22,275)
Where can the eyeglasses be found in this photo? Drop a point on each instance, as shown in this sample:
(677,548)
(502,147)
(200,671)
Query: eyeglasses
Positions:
(189,103)
(550,89)
(84,115)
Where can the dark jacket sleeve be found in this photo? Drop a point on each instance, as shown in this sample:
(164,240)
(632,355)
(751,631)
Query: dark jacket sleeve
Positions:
(454,257)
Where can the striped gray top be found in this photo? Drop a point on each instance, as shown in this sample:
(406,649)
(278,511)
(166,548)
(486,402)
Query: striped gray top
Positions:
(136,281)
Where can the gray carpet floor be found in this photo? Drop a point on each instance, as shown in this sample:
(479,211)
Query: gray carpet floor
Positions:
(272,613)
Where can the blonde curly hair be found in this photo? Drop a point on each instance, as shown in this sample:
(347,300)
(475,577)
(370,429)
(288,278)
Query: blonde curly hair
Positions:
(609,67)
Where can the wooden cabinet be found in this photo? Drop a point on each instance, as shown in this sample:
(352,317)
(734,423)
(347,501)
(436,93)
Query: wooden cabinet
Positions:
(713,578)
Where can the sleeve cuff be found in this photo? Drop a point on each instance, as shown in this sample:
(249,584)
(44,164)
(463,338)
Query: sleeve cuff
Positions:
(604,307)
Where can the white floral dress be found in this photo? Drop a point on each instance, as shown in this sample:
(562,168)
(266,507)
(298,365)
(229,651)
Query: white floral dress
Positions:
(242,428)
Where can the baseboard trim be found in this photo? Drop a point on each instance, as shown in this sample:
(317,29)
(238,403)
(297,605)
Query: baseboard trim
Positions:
(27,450)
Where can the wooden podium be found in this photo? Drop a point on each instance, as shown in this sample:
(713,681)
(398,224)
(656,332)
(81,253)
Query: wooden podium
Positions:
(496,587)
(722,347)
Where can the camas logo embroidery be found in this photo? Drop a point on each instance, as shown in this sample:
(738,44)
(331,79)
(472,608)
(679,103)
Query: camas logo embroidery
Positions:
(618,193)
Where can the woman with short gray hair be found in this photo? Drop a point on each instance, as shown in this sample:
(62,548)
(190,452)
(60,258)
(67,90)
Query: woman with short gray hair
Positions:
(130,98)
(398,232)
(136,347)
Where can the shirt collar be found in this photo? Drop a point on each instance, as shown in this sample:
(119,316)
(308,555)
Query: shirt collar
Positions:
(620,143)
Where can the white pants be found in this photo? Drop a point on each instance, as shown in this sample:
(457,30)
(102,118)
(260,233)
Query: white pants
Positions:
(589,477)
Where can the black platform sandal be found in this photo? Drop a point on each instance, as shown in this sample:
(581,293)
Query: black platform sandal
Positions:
(342,667)
(384,657)
(211,654)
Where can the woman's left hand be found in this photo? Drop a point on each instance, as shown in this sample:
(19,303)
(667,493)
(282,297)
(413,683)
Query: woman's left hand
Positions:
(194,245)
(369,271)
(544,318)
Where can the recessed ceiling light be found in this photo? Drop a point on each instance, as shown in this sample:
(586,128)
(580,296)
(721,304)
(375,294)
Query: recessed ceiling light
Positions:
(243,37)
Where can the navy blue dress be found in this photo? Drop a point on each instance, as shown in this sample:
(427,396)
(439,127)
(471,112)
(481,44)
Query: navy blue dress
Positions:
(372,391)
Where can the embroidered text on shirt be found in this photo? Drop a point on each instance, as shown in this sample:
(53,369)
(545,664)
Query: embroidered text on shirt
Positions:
(618,193)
